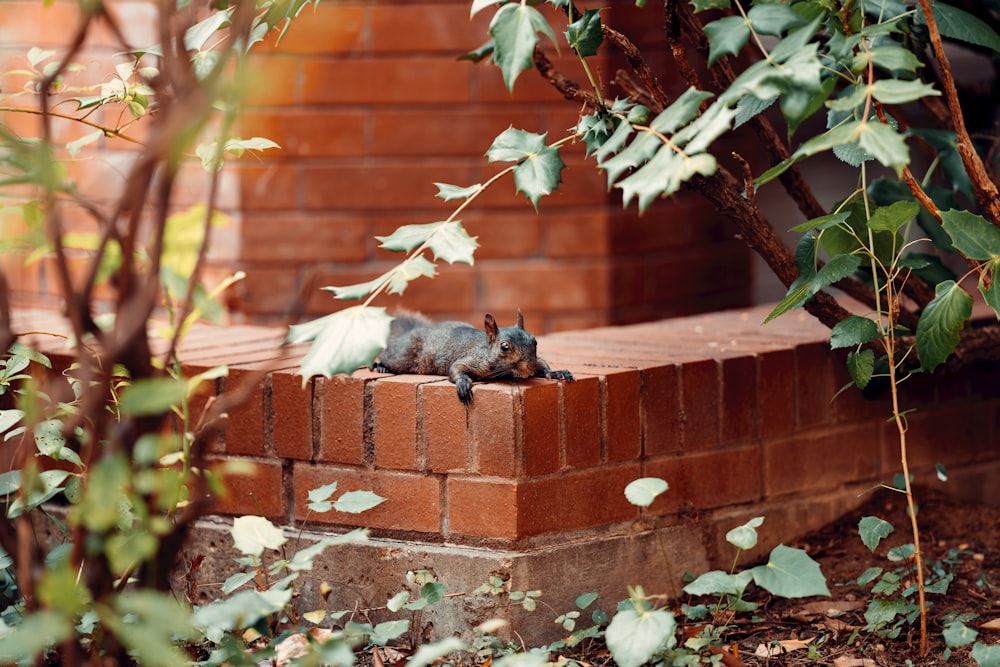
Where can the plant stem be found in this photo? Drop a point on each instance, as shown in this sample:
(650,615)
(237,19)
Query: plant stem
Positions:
(901,427)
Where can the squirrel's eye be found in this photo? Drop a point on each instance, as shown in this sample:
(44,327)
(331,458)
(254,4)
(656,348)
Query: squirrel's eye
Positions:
(504,346)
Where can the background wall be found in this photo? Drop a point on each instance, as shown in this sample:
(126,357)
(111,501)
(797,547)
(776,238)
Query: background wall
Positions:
(371,106)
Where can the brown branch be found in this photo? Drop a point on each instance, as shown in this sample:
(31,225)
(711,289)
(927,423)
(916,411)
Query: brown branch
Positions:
(987,195)
(569,88)
(638,64)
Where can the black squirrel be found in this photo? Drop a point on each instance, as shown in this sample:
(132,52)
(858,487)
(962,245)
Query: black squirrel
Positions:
(464,353)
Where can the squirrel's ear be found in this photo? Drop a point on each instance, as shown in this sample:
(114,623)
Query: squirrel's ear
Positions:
(492,331)
(520,319)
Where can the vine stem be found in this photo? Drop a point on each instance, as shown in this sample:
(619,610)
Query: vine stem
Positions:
(901,428)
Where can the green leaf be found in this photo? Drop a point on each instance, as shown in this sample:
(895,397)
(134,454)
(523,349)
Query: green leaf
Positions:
(873,530)
(774,19)
(717,582)
(885,145)
(986,655)
(961,25)
(643,491)
(128,551)
(585,34)
(539,174)
(585,600)
(37,631)
(514,145)
(452,243)
(745,536)
(149,624)
(971,234)
(822,222)
(861,366)
(901,553)
(514,28)
(991,294)
(941,324)
(355,502)
(889,58)
(428,654)
(895,91)
(790,573)
(702,5)
(343,341)
(253,534)
(882,611)
(634,636)
(239,611)
(449,192)
(957,633)
(891,218)
(726,36)
(852,331)
(684,110)
(478,5)
(101,506)
(322,493)
(152,396)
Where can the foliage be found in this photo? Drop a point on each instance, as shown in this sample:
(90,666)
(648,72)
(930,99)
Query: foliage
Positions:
(111,437)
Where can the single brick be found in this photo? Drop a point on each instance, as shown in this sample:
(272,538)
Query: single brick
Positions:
(540,404)
(661,410)
(252,487)
(446,432)
(582,421)
(342,418)
(739,398)
(700,404)
(814,384)
(245,424)
(291,409)
(494,436)
(413,500)
(622,401)
(482,507)
(776,369)
(395,421)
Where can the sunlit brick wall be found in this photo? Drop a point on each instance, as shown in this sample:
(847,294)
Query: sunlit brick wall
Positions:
(371,106)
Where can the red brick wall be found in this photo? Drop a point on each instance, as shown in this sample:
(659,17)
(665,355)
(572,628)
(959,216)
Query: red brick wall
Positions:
(371,107)
(736,417)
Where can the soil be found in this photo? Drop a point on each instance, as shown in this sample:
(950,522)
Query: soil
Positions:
(962,537)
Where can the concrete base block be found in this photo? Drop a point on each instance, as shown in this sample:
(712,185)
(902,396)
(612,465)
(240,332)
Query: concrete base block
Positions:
(364,576)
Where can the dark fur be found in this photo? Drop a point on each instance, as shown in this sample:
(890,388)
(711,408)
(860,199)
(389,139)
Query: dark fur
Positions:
(464,353)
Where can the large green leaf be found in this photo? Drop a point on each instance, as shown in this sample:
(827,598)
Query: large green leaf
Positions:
(239,611)
(150,624)
(36,631)
(253,534)
(891,218)
(717,582)
(726,36)
(634,636)
(895,91)
(861,366)
(745,536)
(959,24)
(539,174)
(885,145)
(355,502)
(791,573)
(343,341)
(152,396)
(989,287)
(514,29)
(643,491)
(971,234)
(941,324)
(852,331)
(585,34)
(873,530)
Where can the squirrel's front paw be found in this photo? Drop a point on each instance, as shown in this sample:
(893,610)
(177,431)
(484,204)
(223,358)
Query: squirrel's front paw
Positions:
(559,375)
(464,386)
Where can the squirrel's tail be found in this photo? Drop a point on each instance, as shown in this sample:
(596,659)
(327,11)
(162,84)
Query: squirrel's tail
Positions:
(403,321)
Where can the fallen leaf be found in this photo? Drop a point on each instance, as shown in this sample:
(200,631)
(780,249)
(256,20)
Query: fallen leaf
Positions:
(783,646)
(813,610)
(851,661)
(993,624)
